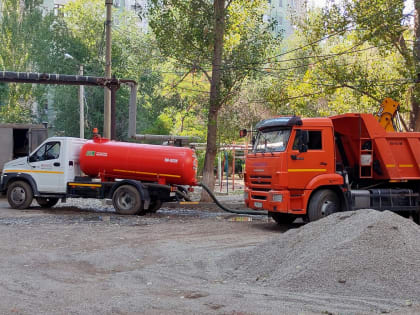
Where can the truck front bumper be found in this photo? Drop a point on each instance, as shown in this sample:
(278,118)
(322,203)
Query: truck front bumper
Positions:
(273,200)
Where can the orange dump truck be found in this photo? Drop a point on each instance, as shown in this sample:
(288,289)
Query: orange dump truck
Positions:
(313,167)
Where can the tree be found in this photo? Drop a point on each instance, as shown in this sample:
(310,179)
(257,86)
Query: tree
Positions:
(223,40)
(133,57)
(334,77)
(379,26)
(19,23)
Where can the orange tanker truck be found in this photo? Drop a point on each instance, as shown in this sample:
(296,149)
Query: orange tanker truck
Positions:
(312,167)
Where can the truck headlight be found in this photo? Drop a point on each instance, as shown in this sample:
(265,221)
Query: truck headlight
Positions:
(277,197)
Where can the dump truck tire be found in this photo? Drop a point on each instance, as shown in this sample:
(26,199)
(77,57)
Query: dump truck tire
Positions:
(324,202)
(127,200)
(46,202)
(20,195)
(283,218)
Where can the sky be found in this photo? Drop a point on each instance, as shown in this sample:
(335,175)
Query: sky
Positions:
(316,3)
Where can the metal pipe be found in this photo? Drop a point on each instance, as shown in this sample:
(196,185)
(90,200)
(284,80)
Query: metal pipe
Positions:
(114,89)
(162,137)
(132,112)
(107,91)
(81,106)
(51,78)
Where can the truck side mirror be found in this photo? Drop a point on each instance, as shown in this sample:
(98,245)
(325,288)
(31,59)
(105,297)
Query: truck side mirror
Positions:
(243,133)
(303,140)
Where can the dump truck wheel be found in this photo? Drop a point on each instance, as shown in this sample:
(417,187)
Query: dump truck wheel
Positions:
(323,202)
(127,200)
(46,202)
(154,206)
(283,218)
(20,195)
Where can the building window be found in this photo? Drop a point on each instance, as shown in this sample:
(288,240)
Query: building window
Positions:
(58,9)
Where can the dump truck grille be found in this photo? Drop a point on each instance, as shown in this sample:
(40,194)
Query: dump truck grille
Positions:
(260,180)
(259,197)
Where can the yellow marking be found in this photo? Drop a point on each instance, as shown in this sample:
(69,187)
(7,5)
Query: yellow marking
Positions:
(405,165)
(293,170)
(89,185)
(390,165)
(32,171)
(146,173)
(189,202)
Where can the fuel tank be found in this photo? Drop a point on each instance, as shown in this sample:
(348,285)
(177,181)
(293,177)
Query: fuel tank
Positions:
(144,162)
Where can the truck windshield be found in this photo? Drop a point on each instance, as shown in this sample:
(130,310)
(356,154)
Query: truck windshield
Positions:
(272,140)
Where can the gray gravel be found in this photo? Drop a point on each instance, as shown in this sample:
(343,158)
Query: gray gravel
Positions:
(361,253)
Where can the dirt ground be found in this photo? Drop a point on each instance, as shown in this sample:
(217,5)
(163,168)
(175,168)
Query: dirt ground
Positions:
(73,261)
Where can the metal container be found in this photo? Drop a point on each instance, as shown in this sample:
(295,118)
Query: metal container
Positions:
(112,160)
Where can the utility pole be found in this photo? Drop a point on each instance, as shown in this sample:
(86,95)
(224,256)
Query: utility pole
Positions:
(81,106)
(107,105)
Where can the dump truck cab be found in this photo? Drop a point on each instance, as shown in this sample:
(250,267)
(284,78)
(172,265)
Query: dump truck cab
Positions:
(291,157)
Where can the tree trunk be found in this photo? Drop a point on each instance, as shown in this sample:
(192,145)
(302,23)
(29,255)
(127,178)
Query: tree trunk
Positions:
(215,98)
(415,96)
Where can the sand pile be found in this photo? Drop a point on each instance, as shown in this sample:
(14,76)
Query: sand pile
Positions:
(360,253)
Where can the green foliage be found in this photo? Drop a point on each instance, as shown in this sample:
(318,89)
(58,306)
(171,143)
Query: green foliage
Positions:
(184,31)
(346,58)
(19,23)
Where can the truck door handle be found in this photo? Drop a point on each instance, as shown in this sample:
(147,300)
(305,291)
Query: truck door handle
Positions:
(295,157)
(56,164)
(323,163)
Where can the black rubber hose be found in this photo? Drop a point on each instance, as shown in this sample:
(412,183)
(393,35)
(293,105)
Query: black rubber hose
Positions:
(248,212)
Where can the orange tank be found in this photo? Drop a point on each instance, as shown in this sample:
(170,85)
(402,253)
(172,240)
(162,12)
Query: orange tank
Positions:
(152,163)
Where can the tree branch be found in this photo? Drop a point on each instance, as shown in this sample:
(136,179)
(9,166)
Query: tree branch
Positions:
(361,92)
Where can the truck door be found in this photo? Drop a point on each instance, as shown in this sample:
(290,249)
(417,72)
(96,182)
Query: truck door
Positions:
(317,160)
(47,169)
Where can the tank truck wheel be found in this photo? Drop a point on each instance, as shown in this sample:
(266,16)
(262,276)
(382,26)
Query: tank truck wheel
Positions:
(154,206)
(46,202)
(20,195)
(323,202)
(127,200)
(283,218)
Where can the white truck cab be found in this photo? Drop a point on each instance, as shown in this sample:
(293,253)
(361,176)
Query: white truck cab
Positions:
(47,170)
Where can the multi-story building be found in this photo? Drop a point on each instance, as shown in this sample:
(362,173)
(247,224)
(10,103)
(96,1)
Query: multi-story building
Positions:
(281,12)
(138,6)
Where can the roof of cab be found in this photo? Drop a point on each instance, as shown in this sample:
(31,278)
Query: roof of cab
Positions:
(290,121)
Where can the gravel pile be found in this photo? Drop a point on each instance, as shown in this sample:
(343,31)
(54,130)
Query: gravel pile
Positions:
(359,253)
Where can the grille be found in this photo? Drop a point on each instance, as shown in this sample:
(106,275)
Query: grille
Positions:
(260,189)
(259,197)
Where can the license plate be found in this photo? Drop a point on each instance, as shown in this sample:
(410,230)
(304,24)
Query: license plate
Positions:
(258,204)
